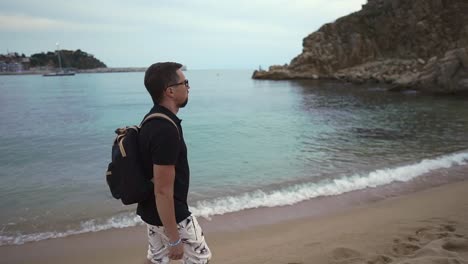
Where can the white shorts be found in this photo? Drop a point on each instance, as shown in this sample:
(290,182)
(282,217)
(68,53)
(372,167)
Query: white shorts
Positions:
(196,250)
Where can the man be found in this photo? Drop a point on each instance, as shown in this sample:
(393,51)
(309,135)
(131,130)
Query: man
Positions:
(173,233)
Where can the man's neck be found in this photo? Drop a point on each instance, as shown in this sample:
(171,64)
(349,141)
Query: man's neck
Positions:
(171,106)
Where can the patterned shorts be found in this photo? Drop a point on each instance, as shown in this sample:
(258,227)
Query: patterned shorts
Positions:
(196,250)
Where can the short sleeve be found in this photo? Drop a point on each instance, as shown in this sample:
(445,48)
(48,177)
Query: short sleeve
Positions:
(164,143)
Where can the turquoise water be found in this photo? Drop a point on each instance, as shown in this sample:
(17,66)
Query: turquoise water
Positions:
(251,143)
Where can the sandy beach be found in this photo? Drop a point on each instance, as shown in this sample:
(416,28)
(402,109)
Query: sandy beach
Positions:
(429,226)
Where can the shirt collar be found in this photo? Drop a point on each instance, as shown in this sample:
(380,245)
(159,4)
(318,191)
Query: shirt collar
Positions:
(161,109)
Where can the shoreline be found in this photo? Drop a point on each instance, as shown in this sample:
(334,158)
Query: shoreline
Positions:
(276,204)
(299,237)
(252,216)
(98,70)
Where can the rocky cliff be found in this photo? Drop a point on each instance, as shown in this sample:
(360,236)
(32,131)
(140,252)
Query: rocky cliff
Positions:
(417,44)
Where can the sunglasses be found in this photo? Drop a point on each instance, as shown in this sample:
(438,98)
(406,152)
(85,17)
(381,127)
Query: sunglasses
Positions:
(185,82)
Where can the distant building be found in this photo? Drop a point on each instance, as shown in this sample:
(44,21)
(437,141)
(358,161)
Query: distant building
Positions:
(12,54)
(13,62)
(3,66)
(15,67)
(26,63)
(11,67)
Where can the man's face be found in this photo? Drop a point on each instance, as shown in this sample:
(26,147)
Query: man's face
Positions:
(181,90)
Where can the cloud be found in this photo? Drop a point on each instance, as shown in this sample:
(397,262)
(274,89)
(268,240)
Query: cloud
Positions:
(23,22)
(264,17)
(27,23)
(246,31)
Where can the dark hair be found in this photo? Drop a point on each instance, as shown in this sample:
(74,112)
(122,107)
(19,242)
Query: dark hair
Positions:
(159,76)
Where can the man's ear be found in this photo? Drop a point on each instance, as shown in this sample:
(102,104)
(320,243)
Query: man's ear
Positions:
(169,92)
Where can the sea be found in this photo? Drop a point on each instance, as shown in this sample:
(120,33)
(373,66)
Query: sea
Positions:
(251,144)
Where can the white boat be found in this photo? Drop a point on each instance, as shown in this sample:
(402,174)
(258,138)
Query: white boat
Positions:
(60,72)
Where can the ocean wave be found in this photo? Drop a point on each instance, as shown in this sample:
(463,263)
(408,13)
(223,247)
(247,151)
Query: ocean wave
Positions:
(302,192)
(285,196)
(120,221)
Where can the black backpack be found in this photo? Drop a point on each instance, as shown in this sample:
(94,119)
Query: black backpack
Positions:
(124,175)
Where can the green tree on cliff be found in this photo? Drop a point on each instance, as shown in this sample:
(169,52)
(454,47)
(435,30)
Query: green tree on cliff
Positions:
(70,59)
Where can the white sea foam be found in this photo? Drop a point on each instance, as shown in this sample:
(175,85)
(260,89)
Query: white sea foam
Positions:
(286,196)
(301,192)
(121,221)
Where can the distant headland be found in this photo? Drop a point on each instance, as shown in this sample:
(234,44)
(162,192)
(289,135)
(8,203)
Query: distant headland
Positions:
(409,44)
(79,61)
(14,63)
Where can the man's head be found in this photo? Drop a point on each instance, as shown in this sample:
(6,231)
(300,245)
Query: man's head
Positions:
(166,82)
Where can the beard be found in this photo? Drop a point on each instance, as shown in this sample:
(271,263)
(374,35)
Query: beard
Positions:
(184,103)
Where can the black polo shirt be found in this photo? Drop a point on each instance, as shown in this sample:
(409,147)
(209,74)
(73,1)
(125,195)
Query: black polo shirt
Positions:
(161,144)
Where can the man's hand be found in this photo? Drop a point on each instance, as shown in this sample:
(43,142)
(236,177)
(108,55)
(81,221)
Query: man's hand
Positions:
(176,252)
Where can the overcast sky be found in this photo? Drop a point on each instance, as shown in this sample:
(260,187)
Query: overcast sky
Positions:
(203,34)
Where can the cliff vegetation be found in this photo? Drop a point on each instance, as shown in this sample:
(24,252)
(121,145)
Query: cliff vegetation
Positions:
(77,59)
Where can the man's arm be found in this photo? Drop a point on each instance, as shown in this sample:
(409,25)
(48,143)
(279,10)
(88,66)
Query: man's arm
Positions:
(164,176)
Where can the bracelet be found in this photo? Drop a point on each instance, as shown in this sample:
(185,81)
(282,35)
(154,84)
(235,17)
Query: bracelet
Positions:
(173,244)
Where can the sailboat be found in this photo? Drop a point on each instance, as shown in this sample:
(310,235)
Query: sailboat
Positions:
(60,72)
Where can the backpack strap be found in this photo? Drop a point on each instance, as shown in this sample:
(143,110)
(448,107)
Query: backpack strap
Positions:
(159,115)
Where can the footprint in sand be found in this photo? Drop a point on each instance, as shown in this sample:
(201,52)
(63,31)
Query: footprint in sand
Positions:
(379,259)
(436,244)
(450,228)
(404,248)
(456,244)
(351,256)
(343,255)
(413,239)
(442,251)
(427,234)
